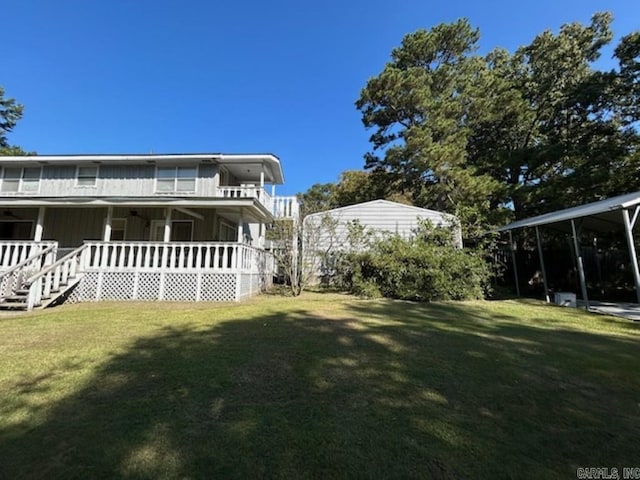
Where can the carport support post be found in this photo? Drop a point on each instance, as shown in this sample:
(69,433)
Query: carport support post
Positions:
(515,266)
(628,228)
(544,270)
(583,282)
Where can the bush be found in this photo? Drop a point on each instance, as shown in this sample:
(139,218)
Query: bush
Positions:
(423,268)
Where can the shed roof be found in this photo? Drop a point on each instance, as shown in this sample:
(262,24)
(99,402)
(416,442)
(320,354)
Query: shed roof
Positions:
(599,216)
(357,206)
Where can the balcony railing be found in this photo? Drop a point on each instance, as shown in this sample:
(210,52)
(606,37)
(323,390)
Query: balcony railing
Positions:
(280,207)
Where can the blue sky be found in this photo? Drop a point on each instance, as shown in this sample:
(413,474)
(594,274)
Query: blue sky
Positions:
(135,76)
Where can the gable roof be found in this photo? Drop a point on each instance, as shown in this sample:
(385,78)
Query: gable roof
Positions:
(356,206)
(600,216)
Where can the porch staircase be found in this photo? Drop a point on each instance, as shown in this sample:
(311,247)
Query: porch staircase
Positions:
(39,281)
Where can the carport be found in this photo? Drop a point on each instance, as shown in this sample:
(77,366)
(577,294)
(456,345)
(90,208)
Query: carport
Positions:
(613,214)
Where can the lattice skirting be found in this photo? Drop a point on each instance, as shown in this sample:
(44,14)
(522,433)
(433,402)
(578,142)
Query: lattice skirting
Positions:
(183,287)
(250,284)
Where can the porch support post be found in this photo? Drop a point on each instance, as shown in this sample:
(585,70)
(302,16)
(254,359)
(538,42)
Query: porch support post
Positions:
(273,190)
(167,225)
(628,228)
(241,226)
(544,270)
(106,236)
(262,176)
(515,266)
(37,235)
(583,282)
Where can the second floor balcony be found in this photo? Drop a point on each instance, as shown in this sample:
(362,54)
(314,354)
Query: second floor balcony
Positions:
(279,206)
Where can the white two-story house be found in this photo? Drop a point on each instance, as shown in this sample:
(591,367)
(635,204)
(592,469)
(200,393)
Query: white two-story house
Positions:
(187,227)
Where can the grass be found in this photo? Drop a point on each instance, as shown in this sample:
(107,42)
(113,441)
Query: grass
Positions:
(322,386)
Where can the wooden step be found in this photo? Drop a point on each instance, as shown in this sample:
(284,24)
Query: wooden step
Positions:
(15,298)
(13,306)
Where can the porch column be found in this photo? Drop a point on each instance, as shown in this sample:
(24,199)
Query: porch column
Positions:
(241,227)
(544,270)
(583,282)
(628,228)
(273,189)
(106,236)
(167,225)
(515,266)
(37,235)
(262,176)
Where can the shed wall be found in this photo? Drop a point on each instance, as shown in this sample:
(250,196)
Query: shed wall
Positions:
(378,218)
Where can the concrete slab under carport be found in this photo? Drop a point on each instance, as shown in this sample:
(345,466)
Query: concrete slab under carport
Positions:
(630,311)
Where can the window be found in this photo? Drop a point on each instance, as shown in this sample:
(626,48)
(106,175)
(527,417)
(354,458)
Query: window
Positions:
(176,179)
(25,180)
(228,233)
(118,228)
(87,176)
(181,230)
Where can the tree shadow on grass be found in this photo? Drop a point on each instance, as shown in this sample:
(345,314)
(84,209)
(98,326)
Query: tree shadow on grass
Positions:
(443,391)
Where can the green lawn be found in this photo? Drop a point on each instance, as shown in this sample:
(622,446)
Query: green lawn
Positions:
(323,386)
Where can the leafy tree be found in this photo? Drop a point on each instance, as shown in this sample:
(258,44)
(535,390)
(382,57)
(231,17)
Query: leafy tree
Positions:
(300,247)
(318,198)
(353,186)
(10,114)
(418,107)
(484,137)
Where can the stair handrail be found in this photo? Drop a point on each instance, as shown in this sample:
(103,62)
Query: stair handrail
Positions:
(51,267)
(15,270)
(27,260)
(52,274)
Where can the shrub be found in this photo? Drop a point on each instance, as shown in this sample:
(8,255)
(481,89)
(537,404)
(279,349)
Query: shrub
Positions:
(423,268)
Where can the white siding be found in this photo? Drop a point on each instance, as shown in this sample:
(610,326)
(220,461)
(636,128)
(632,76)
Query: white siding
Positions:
(115,180)
(378,216)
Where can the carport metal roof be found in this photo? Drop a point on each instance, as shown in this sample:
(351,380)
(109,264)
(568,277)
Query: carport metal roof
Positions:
(603,215)
(614,213)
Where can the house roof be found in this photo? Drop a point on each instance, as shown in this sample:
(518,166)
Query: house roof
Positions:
(356,206)
(239,164)
(599,216)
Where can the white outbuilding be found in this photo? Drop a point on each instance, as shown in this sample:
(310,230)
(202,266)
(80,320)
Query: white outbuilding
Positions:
(379,217)
(328,231)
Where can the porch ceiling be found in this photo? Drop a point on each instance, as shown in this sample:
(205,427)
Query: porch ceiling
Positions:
(251,208)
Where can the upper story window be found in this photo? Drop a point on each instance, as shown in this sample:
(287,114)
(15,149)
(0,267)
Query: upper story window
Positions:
(176,179)
(87,176)
(23,180)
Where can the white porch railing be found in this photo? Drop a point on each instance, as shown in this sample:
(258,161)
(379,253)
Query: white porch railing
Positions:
(174,271)
(15,252)
(247,192)
(173,257)
(285,207)
(280,207)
